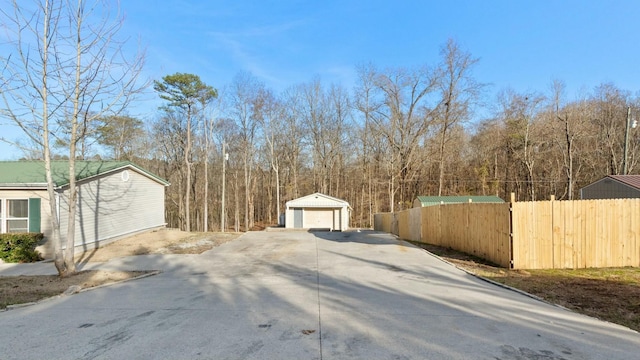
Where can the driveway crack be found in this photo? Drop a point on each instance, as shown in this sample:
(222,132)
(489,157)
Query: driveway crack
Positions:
(318,291)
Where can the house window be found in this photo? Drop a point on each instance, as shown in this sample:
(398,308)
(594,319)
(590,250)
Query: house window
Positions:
(20,215)
(17,217)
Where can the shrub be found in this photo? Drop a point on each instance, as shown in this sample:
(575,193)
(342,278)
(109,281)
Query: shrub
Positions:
(20,247)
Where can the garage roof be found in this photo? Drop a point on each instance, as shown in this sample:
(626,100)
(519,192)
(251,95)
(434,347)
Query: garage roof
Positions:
(437,200)
(631,180)
(318,200)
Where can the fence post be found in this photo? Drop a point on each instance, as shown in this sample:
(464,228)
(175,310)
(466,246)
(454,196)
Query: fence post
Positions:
(512,200)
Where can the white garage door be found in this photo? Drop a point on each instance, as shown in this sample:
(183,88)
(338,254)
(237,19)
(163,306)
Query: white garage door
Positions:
(318,218)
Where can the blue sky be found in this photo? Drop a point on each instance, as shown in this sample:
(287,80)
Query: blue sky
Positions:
(521,44)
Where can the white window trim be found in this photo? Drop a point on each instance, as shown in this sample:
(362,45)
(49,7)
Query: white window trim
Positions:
(4,214)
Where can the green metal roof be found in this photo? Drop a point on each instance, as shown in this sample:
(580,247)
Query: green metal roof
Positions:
(437,200)
(31,173)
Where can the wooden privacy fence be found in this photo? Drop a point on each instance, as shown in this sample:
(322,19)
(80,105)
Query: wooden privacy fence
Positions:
(528,235)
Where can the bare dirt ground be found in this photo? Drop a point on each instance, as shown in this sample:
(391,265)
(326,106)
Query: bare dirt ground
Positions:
(27,289)
(608,294)
(165,241)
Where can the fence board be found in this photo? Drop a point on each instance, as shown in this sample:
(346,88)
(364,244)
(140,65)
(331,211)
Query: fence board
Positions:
(432,225)
(591,228)
(404,231)
(415,217)
(477,229)
(382,222)
(585,233)
(534,235)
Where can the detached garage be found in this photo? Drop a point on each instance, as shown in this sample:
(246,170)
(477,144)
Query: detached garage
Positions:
(317,211)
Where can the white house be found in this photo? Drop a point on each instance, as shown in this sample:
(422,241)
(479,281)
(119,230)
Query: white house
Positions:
(115,199)
(317,211)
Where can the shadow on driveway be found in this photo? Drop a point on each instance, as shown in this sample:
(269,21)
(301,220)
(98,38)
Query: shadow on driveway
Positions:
(317,295)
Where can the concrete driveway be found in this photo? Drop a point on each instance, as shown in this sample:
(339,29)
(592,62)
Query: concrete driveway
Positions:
(297,295)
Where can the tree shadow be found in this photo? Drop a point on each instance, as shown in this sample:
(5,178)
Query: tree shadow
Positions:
(370,237)
(306,295)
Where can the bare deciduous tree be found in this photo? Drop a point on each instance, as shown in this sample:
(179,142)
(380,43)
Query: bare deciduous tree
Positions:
(66,72)
(519,115)
(272,121)
(245,107)
(364,101)
(459,92)
(570,122)
(292,134)
(121,135)
(401,122)
(610,113)
(323,116)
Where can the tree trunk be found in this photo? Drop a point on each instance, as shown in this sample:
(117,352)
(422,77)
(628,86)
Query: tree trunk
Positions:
(276,173)
(187,185)
(58,255)
(206,190)
(441,163)
(246,193)
(222,202)
(237,201)
(70,266)
(206,175)
(569,158)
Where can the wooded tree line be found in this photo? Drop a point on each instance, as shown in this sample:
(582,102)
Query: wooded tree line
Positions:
(236,154)
(399,133)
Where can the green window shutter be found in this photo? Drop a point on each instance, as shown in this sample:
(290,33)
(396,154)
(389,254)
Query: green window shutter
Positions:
(34,215)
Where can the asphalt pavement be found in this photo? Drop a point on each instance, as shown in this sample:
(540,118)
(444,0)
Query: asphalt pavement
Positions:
(304,295)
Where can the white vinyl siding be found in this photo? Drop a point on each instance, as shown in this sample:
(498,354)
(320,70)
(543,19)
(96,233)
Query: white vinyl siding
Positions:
(112,206)
(317,211)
